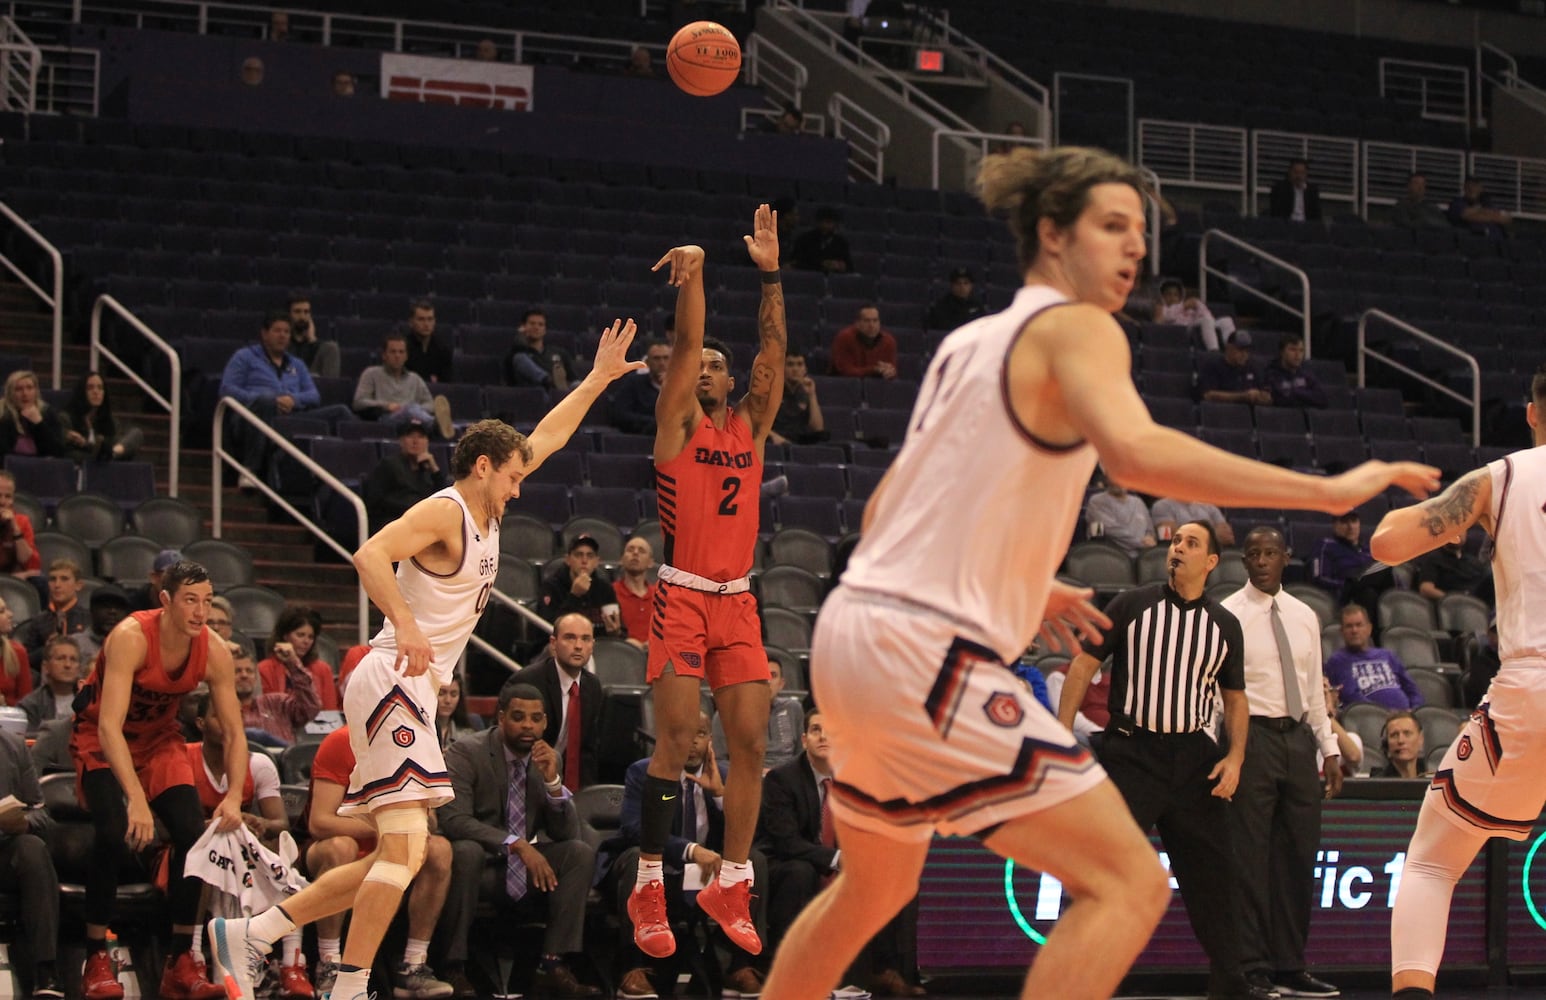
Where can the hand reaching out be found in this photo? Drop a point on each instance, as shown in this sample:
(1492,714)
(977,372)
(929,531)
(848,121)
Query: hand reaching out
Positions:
(686,264)
(762,245)
(1070,617)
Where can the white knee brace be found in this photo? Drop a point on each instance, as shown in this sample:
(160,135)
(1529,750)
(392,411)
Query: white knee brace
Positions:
(410,823)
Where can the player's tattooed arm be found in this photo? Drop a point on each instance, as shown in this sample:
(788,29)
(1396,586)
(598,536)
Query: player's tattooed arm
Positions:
(767,367)
(1453,510)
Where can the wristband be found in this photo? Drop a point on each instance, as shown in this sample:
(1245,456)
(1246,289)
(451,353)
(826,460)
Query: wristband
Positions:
(554,785)
(772,277)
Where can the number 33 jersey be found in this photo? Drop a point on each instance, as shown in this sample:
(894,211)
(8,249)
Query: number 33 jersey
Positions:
(447,607)
(708,497)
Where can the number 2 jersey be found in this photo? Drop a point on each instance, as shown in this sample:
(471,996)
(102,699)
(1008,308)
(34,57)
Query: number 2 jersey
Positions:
(708,497)
(447,607)
(977,512)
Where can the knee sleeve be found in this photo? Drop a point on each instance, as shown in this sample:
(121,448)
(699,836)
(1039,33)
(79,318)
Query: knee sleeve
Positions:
(412,824)
(1439,854)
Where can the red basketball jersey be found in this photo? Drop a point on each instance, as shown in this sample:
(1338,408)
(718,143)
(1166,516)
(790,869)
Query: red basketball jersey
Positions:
(708,497)
(153,701)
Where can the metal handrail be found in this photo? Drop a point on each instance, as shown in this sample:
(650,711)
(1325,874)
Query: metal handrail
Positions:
(216,503)
(982,139)
(1203,270)
(879,135)
(1364,350)
(1511,73)
(520,609)
(1154,213)
(27,76)
(173,406)
(968,46)
(787,80)
(54,301)
(1388,63)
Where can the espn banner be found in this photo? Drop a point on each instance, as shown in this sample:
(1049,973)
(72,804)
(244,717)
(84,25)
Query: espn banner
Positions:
(466,83)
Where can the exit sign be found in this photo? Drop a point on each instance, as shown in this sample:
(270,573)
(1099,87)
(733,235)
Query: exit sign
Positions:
(931,61)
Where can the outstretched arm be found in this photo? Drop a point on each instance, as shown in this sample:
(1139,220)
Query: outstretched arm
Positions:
(1410,531)
(760,405)
(677,409)
(555,429)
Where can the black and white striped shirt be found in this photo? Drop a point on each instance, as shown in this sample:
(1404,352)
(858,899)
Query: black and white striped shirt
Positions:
(1168,657)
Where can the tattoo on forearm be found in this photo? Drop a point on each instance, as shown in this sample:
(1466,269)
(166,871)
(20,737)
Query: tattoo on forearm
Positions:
(770,319)
(757,397)
(1452,508)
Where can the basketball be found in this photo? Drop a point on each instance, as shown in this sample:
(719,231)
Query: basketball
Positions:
(703,58)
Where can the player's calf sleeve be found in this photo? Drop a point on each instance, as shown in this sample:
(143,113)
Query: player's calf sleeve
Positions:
(662,799)
(1439,854)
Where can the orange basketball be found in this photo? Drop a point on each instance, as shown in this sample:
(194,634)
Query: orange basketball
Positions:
(703,58)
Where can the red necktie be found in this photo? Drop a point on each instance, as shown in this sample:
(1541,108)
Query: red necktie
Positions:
(572,742)
(828,832)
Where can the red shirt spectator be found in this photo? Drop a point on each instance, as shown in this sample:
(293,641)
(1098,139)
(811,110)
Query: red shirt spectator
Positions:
(862,348)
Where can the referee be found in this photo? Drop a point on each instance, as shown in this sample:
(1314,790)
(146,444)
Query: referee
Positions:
(1172,649)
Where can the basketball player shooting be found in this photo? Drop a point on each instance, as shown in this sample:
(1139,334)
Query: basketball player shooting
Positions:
(708,473)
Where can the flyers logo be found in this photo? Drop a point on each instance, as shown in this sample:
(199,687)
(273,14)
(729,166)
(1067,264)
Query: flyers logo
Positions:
(692,660)
(1003,709)
(1463,748)
(402,736)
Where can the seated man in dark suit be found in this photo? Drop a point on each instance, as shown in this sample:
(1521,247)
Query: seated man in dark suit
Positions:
(27,868)
(796,833)
(508,794)
(691,861)
(559,674)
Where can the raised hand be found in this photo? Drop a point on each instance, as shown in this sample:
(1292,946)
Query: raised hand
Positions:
(1070,617)
(762,245)
(1361,482)
(612,353)
(686,263)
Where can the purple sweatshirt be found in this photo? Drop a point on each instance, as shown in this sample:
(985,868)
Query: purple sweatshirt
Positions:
(1373,675)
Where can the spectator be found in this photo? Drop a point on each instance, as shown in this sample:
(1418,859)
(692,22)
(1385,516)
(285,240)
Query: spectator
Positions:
(343,83)
(797,836)
(28,426)
(1094,712)
(15,668)
(533,361)
(1340,561)
(790,121)
(27,868)
(321,356)
(65,615)
(1229,378)
(1348,742)
(452,720)
(270,381)
(640,64)
(632,403)
(279,26)
(1119,517)
(293,645)
(691,854)
(573,728)
(1361,672)
(252,71)
(635,591)
(18,545)
(1401,741)
(1012,128)
(486,51)
(1472,210)
(1414,211)
(392,394)
(1482,665)
(91,434)
(428,356)
(1294,197)
(399,481)
(579,586)
(863,347)
(1175,306)
(222,618)
(1450,570)
(799,419)
(148,597)
(527,854)
(823,248)
(109,606)
(786,724)
(1168,514)
(958,306)
(273,718)
(338,840)
(54,698)
(1289,381)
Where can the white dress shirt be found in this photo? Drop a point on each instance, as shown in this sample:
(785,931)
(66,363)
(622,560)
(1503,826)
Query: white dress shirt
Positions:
(1263,671)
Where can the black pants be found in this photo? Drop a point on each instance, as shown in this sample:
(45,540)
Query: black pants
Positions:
(1164,779)
(1275,820)
(178,808)
(27,870)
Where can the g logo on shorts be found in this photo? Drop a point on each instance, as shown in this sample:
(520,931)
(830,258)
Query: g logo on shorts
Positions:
(1003,709)
(1463,748)
(403,736)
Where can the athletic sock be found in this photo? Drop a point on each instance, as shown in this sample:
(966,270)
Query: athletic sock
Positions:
(290,952)
(329,949)
(732,872)
(270,925)
(649,871)
(352,982)
(416,951)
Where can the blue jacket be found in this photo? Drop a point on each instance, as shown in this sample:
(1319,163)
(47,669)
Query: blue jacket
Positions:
(249,376)
(676,845)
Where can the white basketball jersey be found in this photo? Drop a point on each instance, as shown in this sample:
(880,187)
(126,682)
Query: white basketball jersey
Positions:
(977,513)
(447,607)
(1519,553)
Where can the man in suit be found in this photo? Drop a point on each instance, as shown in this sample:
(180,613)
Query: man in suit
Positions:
(691,862)
(560,676)
(509,792)
(1294,197)
(797,835)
